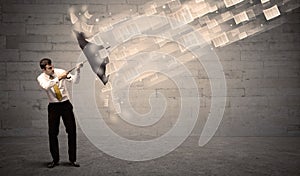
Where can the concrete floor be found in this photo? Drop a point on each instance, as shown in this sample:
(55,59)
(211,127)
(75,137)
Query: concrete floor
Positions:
(221,156)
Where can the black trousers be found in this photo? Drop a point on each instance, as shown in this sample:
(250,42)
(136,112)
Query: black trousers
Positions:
(55,111)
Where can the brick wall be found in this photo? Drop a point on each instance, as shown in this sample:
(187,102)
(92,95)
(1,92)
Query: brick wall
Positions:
(262,72)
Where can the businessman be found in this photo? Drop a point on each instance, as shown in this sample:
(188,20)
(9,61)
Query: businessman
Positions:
(53,81)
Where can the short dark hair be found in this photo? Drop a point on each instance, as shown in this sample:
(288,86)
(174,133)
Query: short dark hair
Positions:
(44,62)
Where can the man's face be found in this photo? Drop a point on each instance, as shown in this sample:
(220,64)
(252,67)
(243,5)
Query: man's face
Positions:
(49,70)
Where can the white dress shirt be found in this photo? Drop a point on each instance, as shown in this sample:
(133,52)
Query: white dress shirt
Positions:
(47,84)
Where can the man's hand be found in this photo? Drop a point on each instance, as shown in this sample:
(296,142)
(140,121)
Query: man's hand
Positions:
(79,65)
(63,75)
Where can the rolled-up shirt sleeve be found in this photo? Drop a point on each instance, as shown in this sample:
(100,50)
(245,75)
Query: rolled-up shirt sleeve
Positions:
(74,78)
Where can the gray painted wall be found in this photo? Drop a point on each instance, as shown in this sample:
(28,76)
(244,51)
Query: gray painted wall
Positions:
(262,72)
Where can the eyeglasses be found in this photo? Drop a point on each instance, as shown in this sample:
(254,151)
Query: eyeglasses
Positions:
(49,68)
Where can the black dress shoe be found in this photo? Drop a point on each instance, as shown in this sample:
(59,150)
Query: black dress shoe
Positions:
(74,164)
(52,164)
